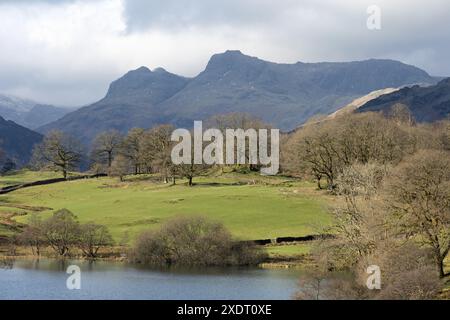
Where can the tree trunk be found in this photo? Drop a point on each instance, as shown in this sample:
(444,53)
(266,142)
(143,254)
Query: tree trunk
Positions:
(330,182)
(109,159)
(190,182)
(441,269)
(440,265)
(319,186)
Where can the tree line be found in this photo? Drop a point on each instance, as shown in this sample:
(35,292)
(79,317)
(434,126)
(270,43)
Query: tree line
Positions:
(140,151)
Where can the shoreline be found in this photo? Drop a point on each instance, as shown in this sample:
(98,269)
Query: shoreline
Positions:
(107,255)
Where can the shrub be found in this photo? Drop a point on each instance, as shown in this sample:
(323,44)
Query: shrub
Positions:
(193,241)
(246,254)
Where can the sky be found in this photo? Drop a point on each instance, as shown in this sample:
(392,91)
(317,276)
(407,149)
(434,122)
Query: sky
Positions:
(67,52)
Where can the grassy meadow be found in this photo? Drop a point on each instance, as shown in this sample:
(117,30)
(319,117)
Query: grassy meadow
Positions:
(249,205)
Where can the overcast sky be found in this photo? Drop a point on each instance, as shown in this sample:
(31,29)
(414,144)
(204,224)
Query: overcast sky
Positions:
(66,52)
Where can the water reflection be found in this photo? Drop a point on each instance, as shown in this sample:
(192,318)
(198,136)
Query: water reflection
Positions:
(6,263)
(46,279)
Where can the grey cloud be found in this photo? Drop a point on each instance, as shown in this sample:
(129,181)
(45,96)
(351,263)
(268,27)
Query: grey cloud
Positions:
(36,2)
(180,36)
(317,30)
(75,90)
(174,14)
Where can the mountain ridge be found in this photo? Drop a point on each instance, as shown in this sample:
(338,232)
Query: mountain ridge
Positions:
(284,95)
(427,104)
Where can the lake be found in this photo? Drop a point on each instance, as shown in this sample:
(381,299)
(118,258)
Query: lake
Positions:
(46,279)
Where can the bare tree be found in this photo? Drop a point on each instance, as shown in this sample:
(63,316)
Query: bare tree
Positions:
(314,151)
(157,147)
(106,145)
(61,231)
(418,195)
(359,218)
(33,235)
(190,171)
(132,148)
(315,148)
(59,151)
(92,237)
(120,167)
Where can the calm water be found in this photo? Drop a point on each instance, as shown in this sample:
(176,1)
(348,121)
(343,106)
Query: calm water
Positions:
(46,279)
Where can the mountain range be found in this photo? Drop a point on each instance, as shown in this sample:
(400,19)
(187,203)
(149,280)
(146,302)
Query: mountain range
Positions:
(427,104)
(28,113)
(284,95)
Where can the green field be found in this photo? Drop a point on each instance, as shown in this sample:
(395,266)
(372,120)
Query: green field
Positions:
(251,206)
